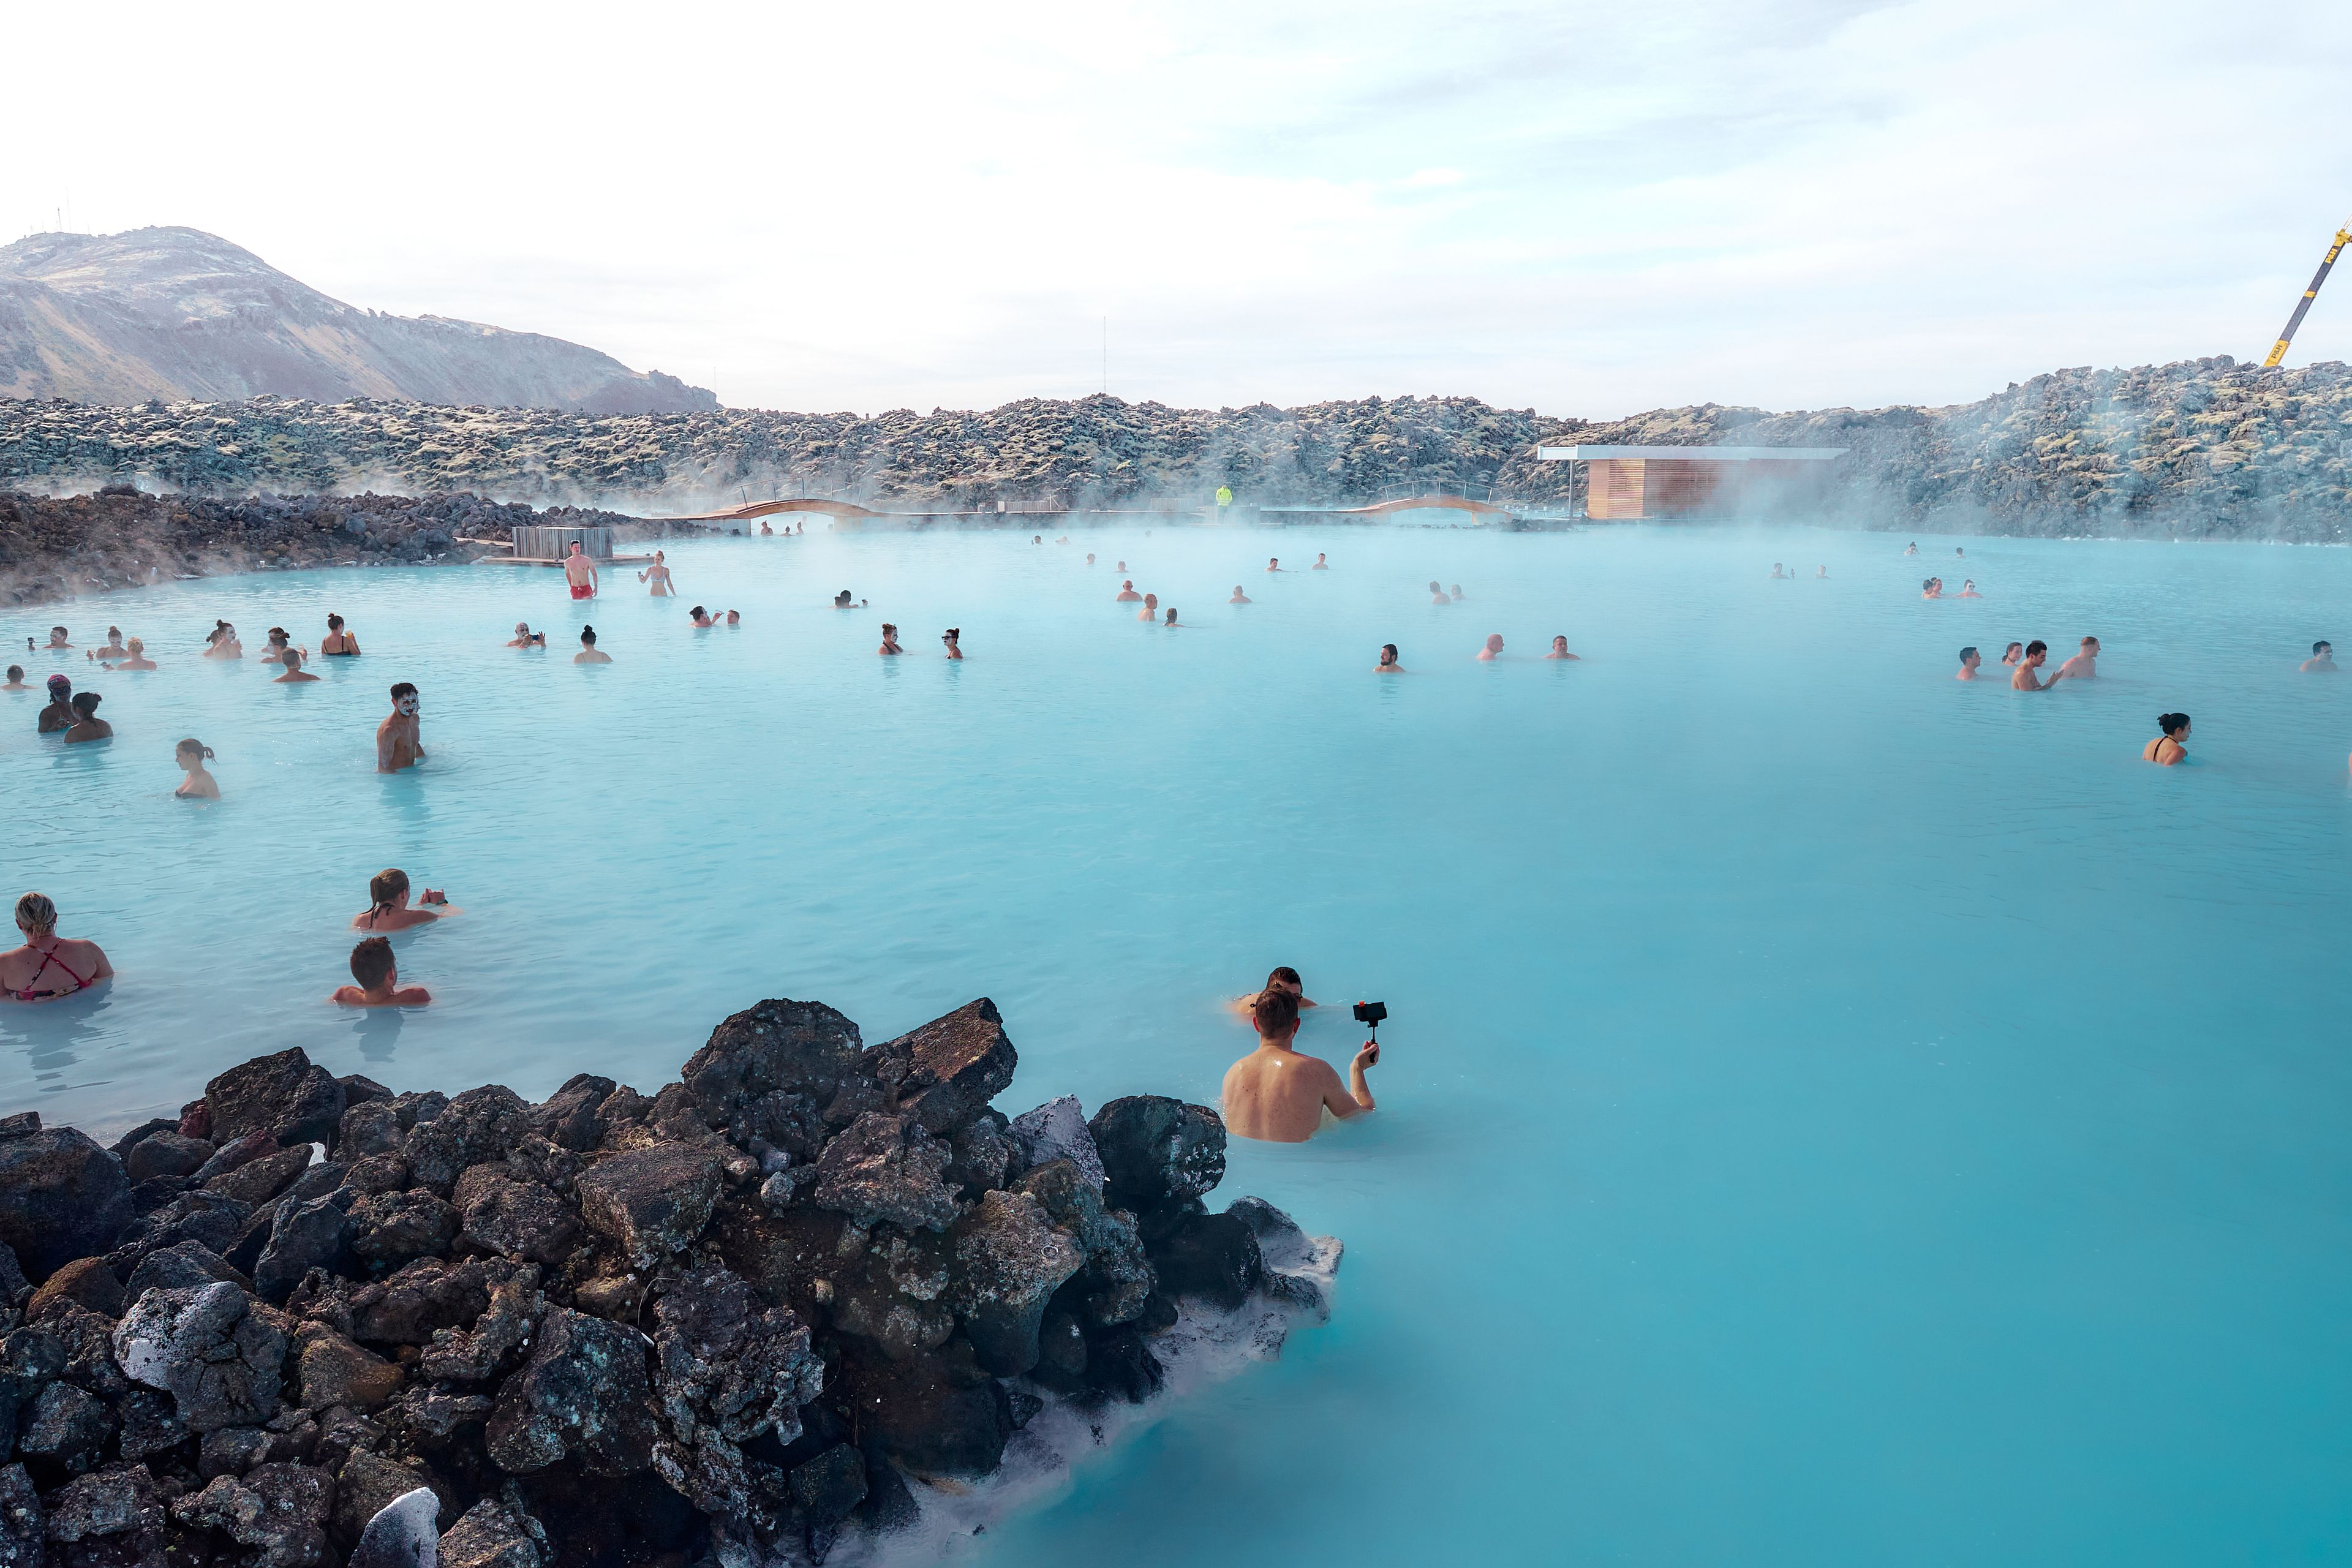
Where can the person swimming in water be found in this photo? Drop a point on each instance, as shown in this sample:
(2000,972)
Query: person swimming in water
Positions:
(134,656)
(1282,977)
(222,643)
(57,642)
(1091,557)
(1388,665)
(1277,1095)
(191,754)
(952,637)
(16,681)
(889,640)
(734,619)
(49,966)
(1150,611)
(114,648)
(579,572)
(87,725)
(292,660)
(1820,571)
(338,643)
(2321,662)
(277,645)
(1494,649)
(2024,680)
(399,739)
(1457,593)
(1912,548)
(1274,563)
(2083,665)
(658,575)
(589,652)
(1127,594)
(1171,620)
(1437,595)
(1958,554)
(525,637)
(1121,568)
(702,619)
(60,715)
(2171,743)
(1239,597)
(388,904)
(1560,648)
(1322,563)
(1931,588)
(378,975)
(1777,573)
(1969,589)
(2012,653)
(1970,659)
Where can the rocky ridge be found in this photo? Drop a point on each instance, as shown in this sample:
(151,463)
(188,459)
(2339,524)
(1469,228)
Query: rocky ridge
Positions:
(810,1298)
(2201,449)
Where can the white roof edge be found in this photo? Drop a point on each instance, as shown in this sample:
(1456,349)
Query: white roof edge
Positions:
(1693,454)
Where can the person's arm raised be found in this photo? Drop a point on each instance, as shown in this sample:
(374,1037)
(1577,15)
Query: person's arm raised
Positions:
(1358,1098)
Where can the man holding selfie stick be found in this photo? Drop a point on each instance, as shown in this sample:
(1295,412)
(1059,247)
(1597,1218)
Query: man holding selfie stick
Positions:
(1277,1095)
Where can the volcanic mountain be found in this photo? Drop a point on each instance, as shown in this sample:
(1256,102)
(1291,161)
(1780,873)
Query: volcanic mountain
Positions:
(176,314)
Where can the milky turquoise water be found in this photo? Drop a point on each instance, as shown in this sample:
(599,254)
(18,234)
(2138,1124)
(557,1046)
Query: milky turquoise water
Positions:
(1832,1115)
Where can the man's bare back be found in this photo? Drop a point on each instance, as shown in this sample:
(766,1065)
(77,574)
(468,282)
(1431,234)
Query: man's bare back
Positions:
(1279,1096)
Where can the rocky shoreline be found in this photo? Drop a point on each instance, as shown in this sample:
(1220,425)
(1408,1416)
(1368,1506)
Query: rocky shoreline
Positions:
(2201,449)
(814,1300)
(53,549)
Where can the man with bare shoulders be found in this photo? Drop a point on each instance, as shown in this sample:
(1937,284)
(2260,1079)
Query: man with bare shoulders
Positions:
(1127,594)
(1279,1096)
(399,742)
(2322,660)
(2037,653)
(579,571)
(1970,659)
(2083,665)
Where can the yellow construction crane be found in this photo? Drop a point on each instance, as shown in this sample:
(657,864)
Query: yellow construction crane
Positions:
(2336,247)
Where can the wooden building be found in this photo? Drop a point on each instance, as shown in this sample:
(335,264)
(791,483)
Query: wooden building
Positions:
(1623,483)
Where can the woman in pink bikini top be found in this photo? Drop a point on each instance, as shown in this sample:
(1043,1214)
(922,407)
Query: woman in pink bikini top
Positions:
(49,966)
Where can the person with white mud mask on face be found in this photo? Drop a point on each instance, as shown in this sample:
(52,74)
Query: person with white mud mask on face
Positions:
(398,744)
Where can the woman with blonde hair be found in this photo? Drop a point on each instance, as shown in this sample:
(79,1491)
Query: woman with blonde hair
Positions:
(49,966)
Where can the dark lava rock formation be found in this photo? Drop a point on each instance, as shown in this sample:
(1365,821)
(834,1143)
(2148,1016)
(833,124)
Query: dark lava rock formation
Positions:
(57,549)
(761,1313)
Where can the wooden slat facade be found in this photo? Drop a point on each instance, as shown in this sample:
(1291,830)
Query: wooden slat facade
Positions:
(537,543)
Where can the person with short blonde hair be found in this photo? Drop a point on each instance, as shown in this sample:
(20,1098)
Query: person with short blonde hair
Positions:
(49,966)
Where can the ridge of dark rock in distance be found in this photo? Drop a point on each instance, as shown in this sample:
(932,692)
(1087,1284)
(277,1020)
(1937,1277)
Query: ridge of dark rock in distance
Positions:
(176,313)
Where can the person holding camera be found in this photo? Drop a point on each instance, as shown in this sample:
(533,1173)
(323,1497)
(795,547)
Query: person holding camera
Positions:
(1279,1096)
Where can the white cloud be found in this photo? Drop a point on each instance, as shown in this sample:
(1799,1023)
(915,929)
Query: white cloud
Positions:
(1586,208)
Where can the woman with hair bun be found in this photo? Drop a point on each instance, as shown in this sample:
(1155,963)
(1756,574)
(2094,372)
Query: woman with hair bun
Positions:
(192,754)
(2170,746)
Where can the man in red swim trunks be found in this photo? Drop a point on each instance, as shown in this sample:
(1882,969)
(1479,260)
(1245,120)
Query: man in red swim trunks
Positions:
(581,572)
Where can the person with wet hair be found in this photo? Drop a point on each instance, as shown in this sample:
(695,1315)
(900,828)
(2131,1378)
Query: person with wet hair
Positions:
(658,574)
(60,715)
(1150,611)
(59,642)
(953,638)
(388,904)
(1560,648)
(526,638)
(1494,649)
(2012,653)
(1171,620)
(338,643)
(2322,660)
(579,572)
(1322,562)
(191,754)
(399,739)
(1239,597)
(292,658)
(87,724)
(2171,743)
(2025,679)
(1970,659)
(1282,977)
(2083,665)
(1277,1095)
(702,619)
(889,641)
(279,639)
(1388,665)
(1931,588)
(734,619)
(49,966)
(1127,594)
(841,601)
(134,656)
(589,652)
(1437,595)
(222,642)
(378,975)
(114,648)
(15,680)
(1274,563)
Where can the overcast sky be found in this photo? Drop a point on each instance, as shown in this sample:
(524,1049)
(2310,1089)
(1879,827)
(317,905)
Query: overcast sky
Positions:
(1589,208)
